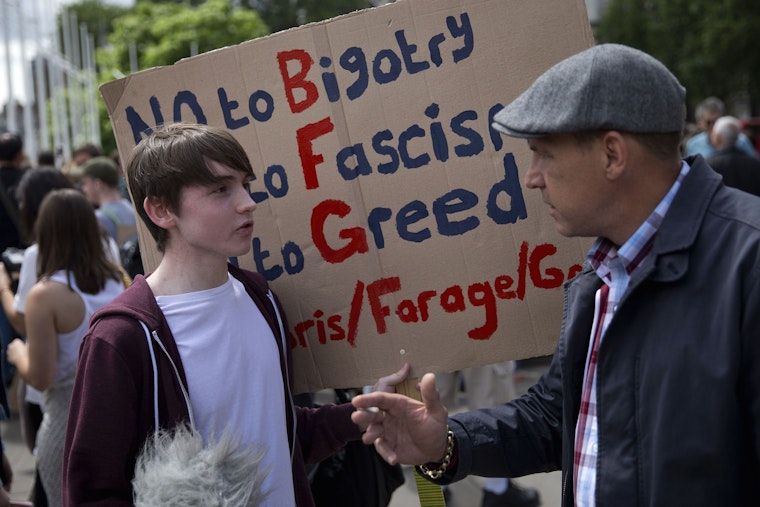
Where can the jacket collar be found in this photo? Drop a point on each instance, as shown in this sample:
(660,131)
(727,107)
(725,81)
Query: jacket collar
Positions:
(682,223)
(668,260)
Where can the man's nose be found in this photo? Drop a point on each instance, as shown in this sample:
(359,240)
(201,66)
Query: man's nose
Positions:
(533,178)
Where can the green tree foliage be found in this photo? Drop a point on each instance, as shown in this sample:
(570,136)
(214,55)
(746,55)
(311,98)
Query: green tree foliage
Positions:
(711,46)
(318,10)
(284,14)
(163,33)
(194,3)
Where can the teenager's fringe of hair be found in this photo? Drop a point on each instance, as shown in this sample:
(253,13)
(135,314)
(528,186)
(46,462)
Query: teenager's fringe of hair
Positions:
(174,469)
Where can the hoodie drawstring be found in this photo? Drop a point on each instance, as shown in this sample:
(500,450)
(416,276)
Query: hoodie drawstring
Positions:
(150,337)
(155,377)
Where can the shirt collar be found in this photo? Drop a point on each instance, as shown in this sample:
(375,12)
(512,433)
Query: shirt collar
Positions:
(636,248)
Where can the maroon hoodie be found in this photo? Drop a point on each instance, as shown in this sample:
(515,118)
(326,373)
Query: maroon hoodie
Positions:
(112,406)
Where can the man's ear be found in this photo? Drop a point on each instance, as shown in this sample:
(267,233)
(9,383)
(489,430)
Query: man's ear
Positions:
(616,150)
(158,212)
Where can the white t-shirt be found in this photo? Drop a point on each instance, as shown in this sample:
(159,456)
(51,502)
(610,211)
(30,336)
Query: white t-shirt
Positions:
(232,364)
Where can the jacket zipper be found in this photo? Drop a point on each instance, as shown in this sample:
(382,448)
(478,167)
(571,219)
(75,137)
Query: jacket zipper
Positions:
(287,372)
(564,489)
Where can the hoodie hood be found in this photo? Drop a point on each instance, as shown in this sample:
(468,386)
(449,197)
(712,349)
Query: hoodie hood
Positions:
(137,302)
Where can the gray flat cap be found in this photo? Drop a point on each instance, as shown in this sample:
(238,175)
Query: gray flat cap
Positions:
(605,87)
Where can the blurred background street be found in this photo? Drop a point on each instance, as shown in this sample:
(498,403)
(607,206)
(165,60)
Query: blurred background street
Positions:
(466,493)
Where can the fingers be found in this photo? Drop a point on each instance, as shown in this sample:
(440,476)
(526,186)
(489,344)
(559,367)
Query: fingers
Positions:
(366,415)
(385,451)
(430,395)
(368,439)
(17,342)
(374,431)
(372,423)
(14,349)
(375,399)
(385,384)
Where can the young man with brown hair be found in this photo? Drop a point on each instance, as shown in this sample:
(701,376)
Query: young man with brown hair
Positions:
(198,341)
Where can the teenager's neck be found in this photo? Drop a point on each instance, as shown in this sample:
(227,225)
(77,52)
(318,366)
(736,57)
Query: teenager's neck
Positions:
(177,276)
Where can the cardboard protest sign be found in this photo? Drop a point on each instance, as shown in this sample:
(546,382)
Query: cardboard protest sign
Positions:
(392,219)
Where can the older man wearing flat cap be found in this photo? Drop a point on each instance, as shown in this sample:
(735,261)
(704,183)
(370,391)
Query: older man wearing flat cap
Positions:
(653,394)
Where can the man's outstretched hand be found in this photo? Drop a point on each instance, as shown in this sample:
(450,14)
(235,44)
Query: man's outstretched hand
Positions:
(404,430)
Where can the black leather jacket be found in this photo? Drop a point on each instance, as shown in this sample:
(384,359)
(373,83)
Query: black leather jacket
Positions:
(678,378)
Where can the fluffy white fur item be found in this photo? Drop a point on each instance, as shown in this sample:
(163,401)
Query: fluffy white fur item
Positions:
(175,469)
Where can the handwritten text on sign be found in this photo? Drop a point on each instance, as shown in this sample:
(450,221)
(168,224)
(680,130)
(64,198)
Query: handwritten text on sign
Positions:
(450,300)
(394,207)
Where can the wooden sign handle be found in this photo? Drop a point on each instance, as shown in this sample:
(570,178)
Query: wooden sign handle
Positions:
(430,494)
(409,388)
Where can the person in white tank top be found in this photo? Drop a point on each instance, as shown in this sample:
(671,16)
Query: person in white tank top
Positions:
(76,278)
